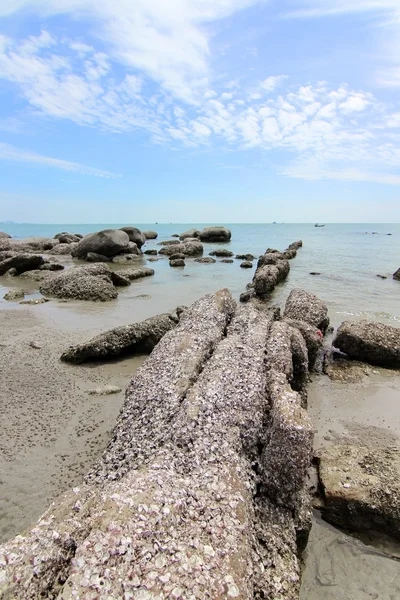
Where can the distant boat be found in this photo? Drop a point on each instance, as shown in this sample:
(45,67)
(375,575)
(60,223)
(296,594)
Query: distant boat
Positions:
(318,225)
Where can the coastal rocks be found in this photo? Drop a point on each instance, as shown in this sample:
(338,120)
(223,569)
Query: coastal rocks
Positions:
(374,343)
(304,306)
(125,259)
(67,238)
(248,257)
(4,236)
(221,253)
(215,234)
(188,248)
(92,257)
(107,390)
(28,245)
(227,261)
(177,262)
(361,488)
(108,242)
(177,256)
(191,233)
(152,252)
(14,294)
(396,275)
(168,243)
(207,260)
(139,338)
(51,266)
(138,273)
(267,277)
(312,337)
(90,282)
(63,249)
(150,235)
(35,301)
(21,263)
(135,235)
(246,265)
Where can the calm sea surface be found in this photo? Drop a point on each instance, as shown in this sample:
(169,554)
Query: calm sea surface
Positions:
(348,256)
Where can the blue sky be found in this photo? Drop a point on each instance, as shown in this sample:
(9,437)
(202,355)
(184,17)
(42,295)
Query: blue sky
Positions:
(199,110)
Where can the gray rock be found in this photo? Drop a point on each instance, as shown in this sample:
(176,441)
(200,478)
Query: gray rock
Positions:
(4,235)
(28,245)
(246,265)
(35,345)
(246,296)
(314,273)
(205,260)
(135,235)
(150,235)
(374,343)
(126,259)
(382,276)
(304,306)
(138,273)
(63,249)
(107,390)
(152,252)
(153,259)
(175,235)
(132,249)
(51,266)
(296,245)
(14,294)
(312,338)
(35,301)
(191,233)
(21,263)
(92,257)
(215,234)
(222,253)
(67,238)
(139,338)
(266,278)
(227,261)
(35,275)
(177,256)
(178,262)
(168,243)
(290,253)
(248,257)
(270,258)
(108,242)
(188,248)
(396,275)
(90,282)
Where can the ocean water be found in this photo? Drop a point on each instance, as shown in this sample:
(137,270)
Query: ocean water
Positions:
(347,256)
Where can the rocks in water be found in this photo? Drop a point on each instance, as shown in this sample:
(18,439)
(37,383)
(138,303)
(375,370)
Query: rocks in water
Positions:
(125,259)
(63,249)
(4,235)
(267,277)
(138,273)
(107,390)
(108,242)
(227,261)
(296,245)
(246,265)
(304,306)
(35,301)
(222,253)
(361,488)
(191,233)
(14,294)
(21,263)
(374,343)
(90,282)
(312,337)
(150,235)
(152,252)
(178,262)
(67,238)
(248,257)
(215,234)
(247,296)
(153,259)
(177,256)
(169,243)
(135,235)
(95,258)
(51,266)
(139,338)
(314,273)
(35,275)
(188,248)
(396,275)
(382,276)
(205,260)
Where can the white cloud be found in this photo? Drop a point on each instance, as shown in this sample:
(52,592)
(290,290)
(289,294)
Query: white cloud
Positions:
(10,153)
(321,8)
(271,83)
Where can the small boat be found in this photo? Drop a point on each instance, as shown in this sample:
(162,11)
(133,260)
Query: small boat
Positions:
(318,225)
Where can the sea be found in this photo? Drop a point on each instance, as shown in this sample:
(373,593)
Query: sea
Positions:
(348,258)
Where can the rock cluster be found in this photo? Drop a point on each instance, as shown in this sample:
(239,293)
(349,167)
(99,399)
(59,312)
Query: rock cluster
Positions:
(208,234)
(188,248)
(374,343)
(304,306)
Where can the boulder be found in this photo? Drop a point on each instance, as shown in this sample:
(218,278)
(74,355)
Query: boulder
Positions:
(4,235)
(139,338)
(246,264)
(28,245)
(67,238)
(92,257)
(304,306)
(126,259)
(150,235)
(374,343)
(396,275)
(108,242)
(153,259)
(192,248)
(90,282)
(215,234)
(227,261)
(14,294)
(245,257)
(132,249)
(266,278)
(361,488)
(177,256)
(51,266)
(290,253)
(191,233)
(296,245)
(246,296)
(169,243)
(21,263)
(178,262)
(152,252)
(221,253)
(135,235)
(138,273)
(270,258)
(63,249)
(312,338)
(175,235)
(205,260)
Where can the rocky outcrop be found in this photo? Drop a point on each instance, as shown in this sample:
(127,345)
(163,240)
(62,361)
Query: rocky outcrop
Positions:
(396,275)
(14,294)
(152,252)
(63,249)
(138,273)
(207,260)
(374,343)
(168,243)
(191,233)
(215,234)
(91,282)
(246,264)
(312,337)
(28,245)
(177,262)
(21,263)
(360,487)
(177,256)
(4,236)
(135,235)
(139,338)
(183,503)
(228,261)
(188,248)
(150,235)
(67,238)
(221,253)
(108,242)
(304,306)
(248,257)
(92,257)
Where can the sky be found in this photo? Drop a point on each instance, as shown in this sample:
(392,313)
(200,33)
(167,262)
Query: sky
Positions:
(199,111)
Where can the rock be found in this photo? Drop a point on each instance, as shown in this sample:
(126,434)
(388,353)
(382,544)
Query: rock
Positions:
(396,275)
(107,390)
(63,249)
(168,243)
(222,253)
(108,242)
(179,262)
(246,265)
(135,235)
(345,371)
(266,278)
(227,261)
(361,488)
(139,338)
(177,256)
(314,273)
(152,252)
(126,259)
(35,345)
(304,306)
(21,263)
(153,259)
(312,337)
(192,248)
(215,234)
(248,257)
(4,235)
(67,238)
(138,273)
(290,253)
(205,260)
(28,245)
(92,257)
(35,275)
(150,235)
(382,276)
(51,266)
(35,301)
(143,296)
(296,245)
(90,282)
(191,233)
(246,296)
(374,343)
(14,294)
(131,249)
(175,235)
(270,258)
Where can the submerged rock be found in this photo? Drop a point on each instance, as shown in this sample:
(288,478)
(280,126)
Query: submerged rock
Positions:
(90,282)
(95,258)
(249,257)
(14,294)
(169,243)
(222,253)
(138,273)
(177,262)
(205,260)
(304,306)
(177,256)
(67,238)
(150,235)
(188,248)
(108,242)
(35,301)
(191,233)
(246,264)
(374,343)
(152,252)
(215,234)
(227,261)
(21,263)
(396,275)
